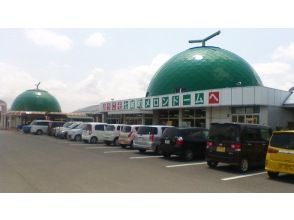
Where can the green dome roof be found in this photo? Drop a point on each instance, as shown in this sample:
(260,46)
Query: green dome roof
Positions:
(36,100)
(202,68)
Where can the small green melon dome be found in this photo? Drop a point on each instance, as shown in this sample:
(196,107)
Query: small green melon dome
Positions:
(202,68)
(36,100)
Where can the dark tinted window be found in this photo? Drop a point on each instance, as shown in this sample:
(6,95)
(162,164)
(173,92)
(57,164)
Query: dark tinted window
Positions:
(126,129)
(265,134)
(99,127)
(251,134)
(221,132)
(43,123)
(110,128)
(196,135)
(147,130)
(118,128)
(170,132)
(283,140)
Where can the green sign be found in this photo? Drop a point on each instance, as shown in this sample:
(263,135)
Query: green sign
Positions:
(155,102)
(132,104)
(187,99)
(199,98)
(175,100)
(126,104)
(147,103)
(164,101)
(139,103)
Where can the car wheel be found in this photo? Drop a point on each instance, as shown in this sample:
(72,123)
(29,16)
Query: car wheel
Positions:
(39,132)
(158,151)
(166,155)
(272,175)
(244,165)
(78,138)
(107,143)
(123,146)
(212,164)
(188,155)
(93,140)
(142,150)
(115,142)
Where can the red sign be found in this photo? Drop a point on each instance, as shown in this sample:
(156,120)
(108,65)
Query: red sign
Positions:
(114,106)
(213,98)
(108,107)
(119,105)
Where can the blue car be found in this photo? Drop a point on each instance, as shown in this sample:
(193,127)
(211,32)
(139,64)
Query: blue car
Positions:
(26,129)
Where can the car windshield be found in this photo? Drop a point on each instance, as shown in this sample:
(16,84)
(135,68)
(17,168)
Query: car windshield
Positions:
(147,130)
(81,126)
(110,128)
(67,124)
(223,132)
(74,125)
(283,140)
(126,129)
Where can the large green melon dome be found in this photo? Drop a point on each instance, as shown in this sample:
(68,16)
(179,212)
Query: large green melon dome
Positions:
(202,68)
(36,100)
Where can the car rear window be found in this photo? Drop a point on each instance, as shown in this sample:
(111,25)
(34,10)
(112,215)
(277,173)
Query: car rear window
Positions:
(223,132)
(283,140)
(147,130)
(170,132)
(126,129)
(110,128)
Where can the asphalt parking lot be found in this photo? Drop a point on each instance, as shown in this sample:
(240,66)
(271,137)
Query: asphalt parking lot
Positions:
(30,163)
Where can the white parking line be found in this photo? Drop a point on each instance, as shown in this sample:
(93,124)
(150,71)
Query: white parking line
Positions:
(99,147)
(186,164)
(144,157)
(120,151)
(242,176)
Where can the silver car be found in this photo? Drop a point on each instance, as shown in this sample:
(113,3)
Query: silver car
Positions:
(148,137)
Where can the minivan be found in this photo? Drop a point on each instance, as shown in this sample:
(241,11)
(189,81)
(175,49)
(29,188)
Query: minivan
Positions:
(93,132)
(241,145)
(112,133)
(185,142)
(127,135)
(148,137)
(280,154)
(39,126)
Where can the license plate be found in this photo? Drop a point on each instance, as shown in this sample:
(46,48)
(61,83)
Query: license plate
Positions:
(167,141)
(221,149)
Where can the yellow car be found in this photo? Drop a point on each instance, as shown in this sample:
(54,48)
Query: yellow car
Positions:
(280,154)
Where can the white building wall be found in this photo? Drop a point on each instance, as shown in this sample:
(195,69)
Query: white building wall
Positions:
(218,114)
(279,117)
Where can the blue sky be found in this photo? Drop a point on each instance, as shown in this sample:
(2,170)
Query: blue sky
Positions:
(83,67)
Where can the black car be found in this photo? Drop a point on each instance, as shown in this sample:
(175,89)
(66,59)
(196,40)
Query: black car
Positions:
(242,145)
(185,142)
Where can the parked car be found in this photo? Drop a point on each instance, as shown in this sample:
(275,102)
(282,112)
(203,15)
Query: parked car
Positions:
(26,129)
(39,127)
(75,134)
(57,130)
(148,137)
(112,133)
(54,124)
(127,135)
(63,132)
(280,154)
(242,145)
(188,143)
(93,132)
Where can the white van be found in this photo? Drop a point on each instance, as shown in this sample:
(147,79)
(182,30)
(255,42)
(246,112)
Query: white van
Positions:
(39,126)
(112,133)
(93,132)
(127,135)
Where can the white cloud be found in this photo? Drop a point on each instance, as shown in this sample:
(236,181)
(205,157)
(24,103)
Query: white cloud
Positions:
(95,40)
(277,75)
(46,38)
(96,87)
(284,53)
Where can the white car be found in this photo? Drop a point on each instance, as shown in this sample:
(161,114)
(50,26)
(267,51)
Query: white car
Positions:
(127,135)
(76,133)
(62,133)
(93,132)
(39,126)
(111,134)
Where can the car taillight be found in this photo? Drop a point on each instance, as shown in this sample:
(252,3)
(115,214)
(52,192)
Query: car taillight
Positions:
(130,134)
(209,144)
(236,147)
(180,141)
(151,137)
(272,150)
